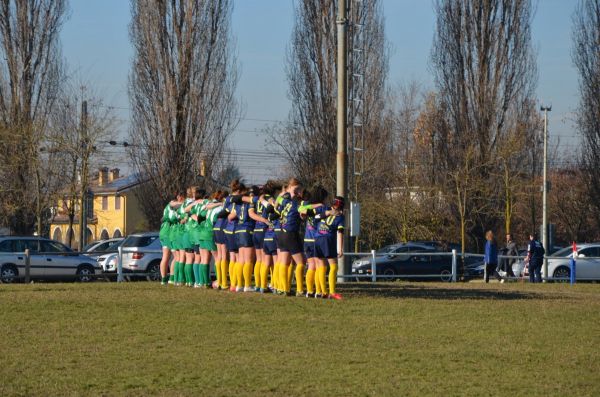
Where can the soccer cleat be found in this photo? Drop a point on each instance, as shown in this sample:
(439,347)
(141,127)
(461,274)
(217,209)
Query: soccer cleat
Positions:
(215,285)
(239,289)
(335,296)
(310,294)
(249,289)
(300,294)
(196,285)
(318,296)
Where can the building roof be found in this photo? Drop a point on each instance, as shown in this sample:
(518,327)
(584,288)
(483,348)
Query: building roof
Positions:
(116,186)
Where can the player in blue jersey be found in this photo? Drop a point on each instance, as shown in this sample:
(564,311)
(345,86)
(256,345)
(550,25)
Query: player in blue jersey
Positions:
(229,229)
(312,207)
(219,237)
(269,247)
(288,240)
(329,245)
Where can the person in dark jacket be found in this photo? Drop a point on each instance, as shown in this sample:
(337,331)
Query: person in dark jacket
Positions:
(535,257)
(491,256)
(510,250)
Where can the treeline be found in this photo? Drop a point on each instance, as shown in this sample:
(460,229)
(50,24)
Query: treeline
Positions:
(451,162)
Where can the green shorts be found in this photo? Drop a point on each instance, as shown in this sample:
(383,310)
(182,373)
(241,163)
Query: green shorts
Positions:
(208,245)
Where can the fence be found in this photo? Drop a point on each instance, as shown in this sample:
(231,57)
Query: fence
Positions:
(373,272)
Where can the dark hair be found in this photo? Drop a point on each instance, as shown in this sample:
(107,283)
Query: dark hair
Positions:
(235,185)
(180,193)
(270,187)
(319,194)
(254,190)
(199,193)
(534,235)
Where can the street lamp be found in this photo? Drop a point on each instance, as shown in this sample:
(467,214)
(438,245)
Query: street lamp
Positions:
(545,109)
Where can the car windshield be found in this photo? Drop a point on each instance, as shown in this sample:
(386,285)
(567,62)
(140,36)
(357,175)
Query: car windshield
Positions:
(386,249)
(563,253)
(87,247)
(139,241)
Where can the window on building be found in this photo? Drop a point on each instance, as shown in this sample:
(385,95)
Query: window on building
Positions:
(104,203)
(117,202)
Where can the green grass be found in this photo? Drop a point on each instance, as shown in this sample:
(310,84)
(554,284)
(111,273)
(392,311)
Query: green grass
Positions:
(389,339)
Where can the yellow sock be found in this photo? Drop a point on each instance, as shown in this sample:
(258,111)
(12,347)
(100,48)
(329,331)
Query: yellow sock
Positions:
(321,279)
(224,272)
(239,274)
(283,277)
(247,275)
(299,277)
(310,281)
(232,274)
(333,267)
(271,274)
(275,276)
(257,269)
(264,272)
(288,282)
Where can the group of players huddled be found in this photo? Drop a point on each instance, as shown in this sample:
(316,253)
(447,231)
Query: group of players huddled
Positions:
(254,234)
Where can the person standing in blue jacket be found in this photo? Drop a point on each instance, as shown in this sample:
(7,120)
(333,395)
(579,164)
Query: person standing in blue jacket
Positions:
(491,255)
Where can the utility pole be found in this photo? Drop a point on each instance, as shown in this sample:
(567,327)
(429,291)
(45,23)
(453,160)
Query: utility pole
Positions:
(545,109)
(342,103)
(85,148)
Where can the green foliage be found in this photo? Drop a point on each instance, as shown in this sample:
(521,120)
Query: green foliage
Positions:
(383,339)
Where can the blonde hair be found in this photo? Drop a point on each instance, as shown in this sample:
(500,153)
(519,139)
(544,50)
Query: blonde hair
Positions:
(489,235)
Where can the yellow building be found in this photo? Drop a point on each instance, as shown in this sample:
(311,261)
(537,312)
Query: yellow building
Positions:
(113,210)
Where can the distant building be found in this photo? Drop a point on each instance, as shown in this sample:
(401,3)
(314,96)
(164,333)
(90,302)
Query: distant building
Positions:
(113,210)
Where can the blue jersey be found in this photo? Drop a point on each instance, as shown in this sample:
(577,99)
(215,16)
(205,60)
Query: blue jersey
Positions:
(260,209)
(229,207)
(289,215)
(328,226)
(244,222)
(310,234)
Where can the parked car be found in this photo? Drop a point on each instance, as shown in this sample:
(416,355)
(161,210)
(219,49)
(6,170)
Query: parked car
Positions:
(108,262)
(97,248)
(49,260)
(141,254)
(587,261)
(406,259)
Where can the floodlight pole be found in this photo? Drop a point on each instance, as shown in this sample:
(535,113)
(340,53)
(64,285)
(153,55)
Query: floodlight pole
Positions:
(545,109)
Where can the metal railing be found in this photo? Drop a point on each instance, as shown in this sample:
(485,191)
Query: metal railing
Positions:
(374,273)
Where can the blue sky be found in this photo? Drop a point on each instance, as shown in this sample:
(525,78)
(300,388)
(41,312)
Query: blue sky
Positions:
(96,45)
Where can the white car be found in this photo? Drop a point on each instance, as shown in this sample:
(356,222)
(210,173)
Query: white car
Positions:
(587,263)
(49,259)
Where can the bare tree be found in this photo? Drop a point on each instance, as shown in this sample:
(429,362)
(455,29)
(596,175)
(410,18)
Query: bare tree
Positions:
(30,78)
(485,73)
(79,141)
(181,90)
(586,57)
(309,138)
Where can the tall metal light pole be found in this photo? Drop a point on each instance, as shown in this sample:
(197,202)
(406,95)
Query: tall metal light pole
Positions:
(342,102)
(545,109)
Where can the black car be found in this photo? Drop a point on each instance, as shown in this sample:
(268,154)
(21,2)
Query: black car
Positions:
(411,264)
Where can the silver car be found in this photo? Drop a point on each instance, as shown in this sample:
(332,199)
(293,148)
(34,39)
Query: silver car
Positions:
(587,263)
(142,254)
(49,259)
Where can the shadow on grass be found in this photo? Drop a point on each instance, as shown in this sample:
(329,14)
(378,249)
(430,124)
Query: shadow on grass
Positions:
(401,290)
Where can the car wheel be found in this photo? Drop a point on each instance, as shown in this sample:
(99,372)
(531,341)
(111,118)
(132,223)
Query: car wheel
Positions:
(446,276)
(562,274)
(9,274)
(153,271)
(388,271)
(85,273)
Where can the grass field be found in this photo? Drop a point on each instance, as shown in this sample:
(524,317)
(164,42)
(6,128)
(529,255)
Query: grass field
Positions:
(389,339)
